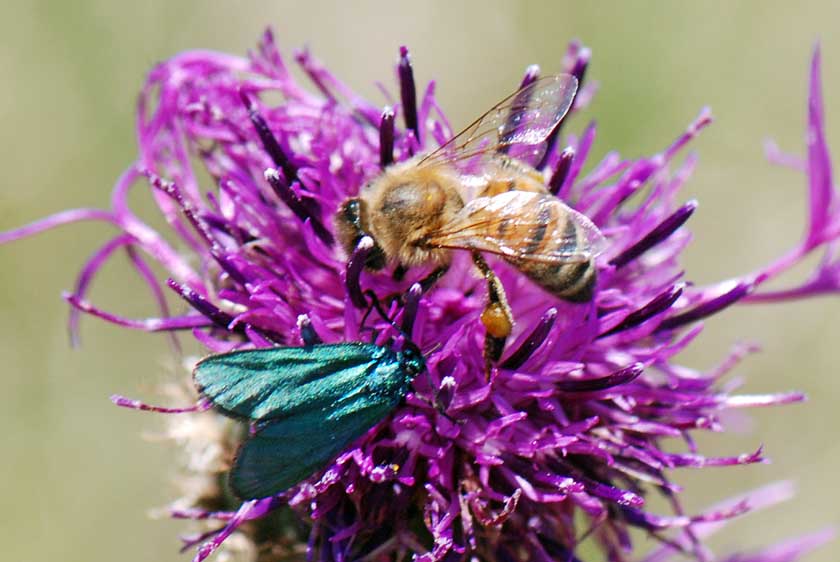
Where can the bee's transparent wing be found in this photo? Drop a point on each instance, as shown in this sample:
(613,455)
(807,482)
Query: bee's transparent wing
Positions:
(525,117)
(520,225)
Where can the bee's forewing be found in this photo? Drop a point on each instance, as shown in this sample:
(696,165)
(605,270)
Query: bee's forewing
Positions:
(525,117)
(522,225)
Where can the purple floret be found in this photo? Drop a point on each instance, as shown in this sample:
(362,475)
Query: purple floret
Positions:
(566,440)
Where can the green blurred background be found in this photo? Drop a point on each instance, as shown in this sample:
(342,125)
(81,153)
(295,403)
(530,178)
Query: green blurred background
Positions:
(77,479)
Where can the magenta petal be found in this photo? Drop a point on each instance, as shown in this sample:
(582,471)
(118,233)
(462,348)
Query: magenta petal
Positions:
(822,197)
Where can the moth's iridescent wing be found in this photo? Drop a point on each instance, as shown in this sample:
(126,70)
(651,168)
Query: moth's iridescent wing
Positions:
(261,384)
(309,403)
(286,451)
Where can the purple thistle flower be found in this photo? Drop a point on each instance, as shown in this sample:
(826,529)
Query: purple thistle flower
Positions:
(570,427)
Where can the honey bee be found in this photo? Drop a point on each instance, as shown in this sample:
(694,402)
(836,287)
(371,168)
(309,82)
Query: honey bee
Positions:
(476,193)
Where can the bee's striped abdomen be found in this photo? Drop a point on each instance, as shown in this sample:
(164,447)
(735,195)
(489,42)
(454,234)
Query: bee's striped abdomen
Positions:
(572,281)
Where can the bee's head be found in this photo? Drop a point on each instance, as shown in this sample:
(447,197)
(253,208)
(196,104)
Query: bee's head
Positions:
(351,222)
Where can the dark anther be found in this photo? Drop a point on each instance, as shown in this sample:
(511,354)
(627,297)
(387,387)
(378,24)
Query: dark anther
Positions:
(399,272)
(205,307)
(578,70)
(518,109)
(296,205)
(561,172)
(660,303)
(386,138)
(355,265)
(307,333)
(708,307)
(412,300)
(218,317)
(200,226)
(580,66)
(408,92)
(659,233)
(269,141)
(227,265)
(533,341)
(621,376)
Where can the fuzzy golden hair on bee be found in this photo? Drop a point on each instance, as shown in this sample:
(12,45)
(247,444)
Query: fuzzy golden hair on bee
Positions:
(402,208)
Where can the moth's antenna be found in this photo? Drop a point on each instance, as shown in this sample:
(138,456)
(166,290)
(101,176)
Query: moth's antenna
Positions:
(374,301)
(367,313)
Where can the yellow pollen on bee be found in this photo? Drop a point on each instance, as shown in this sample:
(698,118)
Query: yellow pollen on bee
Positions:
(496,321)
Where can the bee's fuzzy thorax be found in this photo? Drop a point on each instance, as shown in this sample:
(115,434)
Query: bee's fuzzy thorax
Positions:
(406,204)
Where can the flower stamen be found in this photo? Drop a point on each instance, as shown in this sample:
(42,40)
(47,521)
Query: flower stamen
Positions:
(532,342)
(386,138)
(408,92)
(353,273)
(561,170)
(658,234)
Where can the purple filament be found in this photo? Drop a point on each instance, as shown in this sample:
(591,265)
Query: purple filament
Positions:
(355,265)
(561,172)
(386,138)
(533,341)
(659,304)
(408,92)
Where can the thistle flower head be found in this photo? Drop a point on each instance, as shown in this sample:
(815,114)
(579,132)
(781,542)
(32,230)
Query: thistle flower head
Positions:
(579,422)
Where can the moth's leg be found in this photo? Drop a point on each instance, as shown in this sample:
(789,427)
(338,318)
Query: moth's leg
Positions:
(496,317)
(436,404)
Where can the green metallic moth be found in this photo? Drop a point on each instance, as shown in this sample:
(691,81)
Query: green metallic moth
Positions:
(308,404)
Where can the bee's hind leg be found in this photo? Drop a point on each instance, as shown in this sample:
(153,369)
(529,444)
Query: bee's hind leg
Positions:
(496,317)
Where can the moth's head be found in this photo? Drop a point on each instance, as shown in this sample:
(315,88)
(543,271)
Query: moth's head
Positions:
(412,359)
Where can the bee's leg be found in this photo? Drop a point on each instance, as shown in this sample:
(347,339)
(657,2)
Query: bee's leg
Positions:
(399,272)
(497,317)
(429,281)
